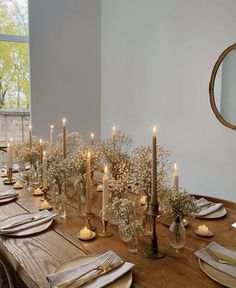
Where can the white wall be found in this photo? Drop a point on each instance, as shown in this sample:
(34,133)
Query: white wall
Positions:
(65,64)
(157,58)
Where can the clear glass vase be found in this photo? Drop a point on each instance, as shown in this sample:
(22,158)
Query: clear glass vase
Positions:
(177,234)
(81,195)
(61,200)
(35,175)
(133,244)
(62,210)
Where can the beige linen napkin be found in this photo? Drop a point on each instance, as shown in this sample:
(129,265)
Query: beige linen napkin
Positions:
(205,210)
(44,216)
(7,194)
(227,268)
(64,276)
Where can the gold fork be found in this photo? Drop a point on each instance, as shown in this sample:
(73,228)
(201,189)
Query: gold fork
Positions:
(218,259)
(98,274)
(100,267)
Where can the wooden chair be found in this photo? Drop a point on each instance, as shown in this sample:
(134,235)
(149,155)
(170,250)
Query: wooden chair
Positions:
(7,272)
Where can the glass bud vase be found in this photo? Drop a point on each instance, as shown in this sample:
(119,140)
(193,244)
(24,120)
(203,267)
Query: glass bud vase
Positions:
(62,210)
(177,234)
(81,195)
(61,202)
(133,244)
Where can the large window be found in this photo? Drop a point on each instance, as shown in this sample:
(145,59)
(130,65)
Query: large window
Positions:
(14,70)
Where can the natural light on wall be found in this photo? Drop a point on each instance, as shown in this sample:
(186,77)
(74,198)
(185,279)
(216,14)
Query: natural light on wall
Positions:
(14,70)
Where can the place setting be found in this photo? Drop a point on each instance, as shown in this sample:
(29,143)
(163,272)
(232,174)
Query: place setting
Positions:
(219,263)
(209,209)
(93,271)
(26,224)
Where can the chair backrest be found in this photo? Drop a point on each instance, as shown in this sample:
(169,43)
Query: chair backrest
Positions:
(7,272)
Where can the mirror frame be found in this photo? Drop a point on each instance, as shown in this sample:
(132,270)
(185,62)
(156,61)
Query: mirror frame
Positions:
(212,84)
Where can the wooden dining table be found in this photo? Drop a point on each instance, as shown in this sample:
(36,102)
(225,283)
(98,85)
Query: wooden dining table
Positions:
(34,257)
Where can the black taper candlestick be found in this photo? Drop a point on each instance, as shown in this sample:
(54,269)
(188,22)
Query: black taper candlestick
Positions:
(153,251)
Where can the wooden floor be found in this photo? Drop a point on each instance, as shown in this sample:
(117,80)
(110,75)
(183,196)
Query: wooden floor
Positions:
(33,258)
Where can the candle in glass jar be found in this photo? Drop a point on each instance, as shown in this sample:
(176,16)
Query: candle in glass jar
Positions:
(154,167)
(64,136)
(45,179)
(203,230)
(105,189)
(176,178)
(51,135)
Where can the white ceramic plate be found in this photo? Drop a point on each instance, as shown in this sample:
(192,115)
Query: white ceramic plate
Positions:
(29,228)
(216,214)
(124,281)
(218,275)
(8,199)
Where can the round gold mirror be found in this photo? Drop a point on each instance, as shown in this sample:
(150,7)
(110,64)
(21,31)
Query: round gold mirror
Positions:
(222,87)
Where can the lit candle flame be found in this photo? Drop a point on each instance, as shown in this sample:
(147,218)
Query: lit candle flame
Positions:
(92,136)
(175,166)
(30,127)
(40,141)
(88,154)
(44,153)
(113,129)
(52,127)
(64,121)
(154,131)
(11,139)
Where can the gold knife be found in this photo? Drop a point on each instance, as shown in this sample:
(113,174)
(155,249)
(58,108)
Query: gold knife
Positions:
(222,256)
(98,274)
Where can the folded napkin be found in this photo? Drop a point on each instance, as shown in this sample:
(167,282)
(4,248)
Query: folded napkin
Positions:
(205,210)
(7,194)
(202,202)
(227,268)
(64,276)
(42,217)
